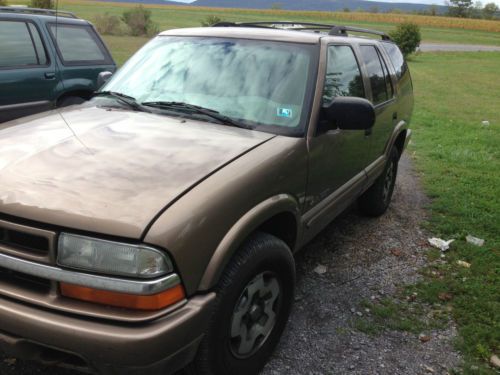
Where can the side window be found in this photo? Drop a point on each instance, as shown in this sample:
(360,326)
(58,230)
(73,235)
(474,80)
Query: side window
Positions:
(387,75)
(343,76)
(78,44)
(17,47)
(397,59)
(376,73)
(37,41)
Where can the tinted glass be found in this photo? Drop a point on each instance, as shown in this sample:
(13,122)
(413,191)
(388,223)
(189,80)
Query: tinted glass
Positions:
(388,82)
(343,77)
(397,59)
(42,56)
(16,45)
(261,84)
(77,44)
(376,74)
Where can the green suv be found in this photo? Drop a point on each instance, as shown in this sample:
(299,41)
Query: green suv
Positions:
(49,59)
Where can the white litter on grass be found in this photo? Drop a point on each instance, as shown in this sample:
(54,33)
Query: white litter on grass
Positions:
(474,240)
(320,269)
(486,123)
(440,244)
(463,263)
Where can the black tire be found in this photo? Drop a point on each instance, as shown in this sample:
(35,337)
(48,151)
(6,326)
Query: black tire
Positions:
(376,200)
(70,100)
(265,255)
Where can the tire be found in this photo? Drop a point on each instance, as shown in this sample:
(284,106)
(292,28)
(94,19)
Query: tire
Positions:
(265,264)
(376,200)
(70,100)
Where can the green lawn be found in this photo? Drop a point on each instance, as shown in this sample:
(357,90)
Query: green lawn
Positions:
(459,161)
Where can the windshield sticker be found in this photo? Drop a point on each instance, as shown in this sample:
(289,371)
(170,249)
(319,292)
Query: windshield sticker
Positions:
(285,112)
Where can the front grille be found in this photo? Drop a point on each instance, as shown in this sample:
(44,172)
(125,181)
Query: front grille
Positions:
(21,280)
(24,241)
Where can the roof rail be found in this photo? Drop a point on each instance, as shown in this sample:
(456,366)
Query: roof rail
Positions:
(333,30)
(44,12)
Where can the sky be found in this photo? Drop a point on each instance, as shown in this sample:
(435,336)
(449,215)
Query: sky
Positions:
(394,1)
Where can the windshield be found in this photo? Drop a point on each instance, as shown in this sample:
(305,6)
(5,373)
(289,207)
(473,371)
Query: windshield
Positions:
(257,83)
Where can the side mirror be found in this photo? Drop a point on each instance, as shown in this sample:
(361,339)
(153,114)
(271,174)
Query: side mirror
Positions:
(102,78)
(350,113)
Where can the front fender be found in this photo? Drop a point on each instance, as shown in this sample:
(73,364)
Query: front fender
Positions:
(250,222)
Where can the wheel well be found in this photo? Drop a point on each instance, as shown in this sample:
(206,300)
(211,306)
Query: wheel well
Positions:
(85,94)
(283,226)
(400,142)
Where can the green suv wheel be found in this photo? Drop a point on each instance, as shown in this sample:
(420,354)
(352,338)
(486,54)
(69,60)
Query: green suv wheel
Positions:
(254,299)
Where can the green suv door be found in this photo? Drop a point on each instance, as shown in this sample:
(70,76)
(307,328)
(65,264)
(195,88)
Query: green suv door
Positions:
(27,74)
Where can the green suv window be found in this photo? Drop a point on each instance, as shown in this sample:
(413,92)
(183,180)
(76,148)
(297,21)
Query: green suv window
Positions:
(78,45)
(17,44)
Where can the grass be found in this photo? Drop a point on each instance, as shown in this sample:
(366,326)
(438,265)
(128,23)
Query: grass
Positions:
(458,158)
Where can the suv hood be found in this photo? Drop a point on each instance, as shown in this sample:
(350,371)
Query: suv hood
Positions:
(109,171)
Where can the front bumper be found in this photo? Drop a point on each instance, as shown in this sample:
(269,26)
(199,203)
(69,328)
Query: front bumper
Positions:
(164,345)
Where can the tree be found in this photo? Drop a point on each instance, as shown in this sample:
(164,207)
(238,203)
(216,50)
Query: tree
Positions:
(374,9)
(459,8)
(42,4)
(407,36)
(490,10)
(276,6)
(210,21)
(433,10)
(3,3)
(139,21)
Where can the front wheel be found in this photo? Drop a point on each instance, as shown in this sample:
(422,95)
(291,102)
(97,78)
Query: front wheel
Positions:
(254,299)
(376,200)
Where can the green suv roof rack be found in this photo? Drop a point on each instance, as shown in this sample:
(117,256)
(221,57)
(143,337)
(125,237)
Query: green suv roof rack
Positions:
(305,26)
(42,12)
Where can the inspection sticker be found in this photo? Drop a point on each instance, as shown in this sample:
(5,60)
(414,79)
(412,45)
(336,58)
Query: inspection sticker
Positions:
(285,112)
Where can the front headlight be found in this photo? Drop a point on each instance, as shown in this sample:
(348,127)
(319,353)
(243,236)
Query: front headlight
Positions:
(111,258)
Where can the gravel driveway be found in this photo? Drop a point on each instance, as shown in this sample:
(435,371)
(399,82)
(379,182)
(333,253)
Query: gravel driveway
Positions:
(359,254)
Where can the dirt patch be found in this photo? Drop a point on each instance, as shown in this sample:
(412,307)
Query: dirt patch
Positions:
(365,259)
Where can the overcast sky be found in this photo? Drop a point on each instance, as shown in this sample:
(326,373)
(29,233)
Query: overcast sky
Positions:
(392,1)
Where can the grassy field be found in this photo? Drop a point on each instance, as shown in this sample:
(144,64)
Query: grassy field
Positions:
(459,160)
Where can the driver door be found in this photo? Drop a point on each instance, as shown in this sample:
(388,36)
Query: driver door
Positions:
(337,158)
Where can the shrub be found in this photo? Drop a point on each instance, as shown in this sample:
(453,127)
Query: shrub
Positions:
(43,4)
(107,24)
(407,37)
(210,21)
(3,3)
(139,21)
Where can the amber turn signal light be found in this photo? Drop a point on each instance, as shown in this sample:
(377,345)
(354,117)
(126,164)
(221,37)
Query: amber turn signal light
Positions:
(131,301)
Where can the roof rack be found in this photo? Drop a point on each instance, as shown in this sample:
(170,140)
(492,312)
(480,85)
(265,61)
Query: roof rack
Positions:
(334,30)
(44,12)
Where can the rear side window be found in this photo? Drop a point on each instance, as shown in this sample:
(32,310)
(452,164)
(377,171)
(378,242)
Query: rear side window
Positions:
(39,48)
(343,76)
(78,45)
(377,72)
(397,59)
(17,48)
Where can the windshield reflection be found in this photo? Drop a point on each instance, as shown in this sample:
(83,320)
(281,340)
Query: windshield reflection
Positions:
(261,83)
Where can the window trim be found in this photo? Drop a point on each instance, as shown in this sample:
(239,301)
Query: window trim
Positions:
(388,101)
(337,44)
(44,44)
(108,60)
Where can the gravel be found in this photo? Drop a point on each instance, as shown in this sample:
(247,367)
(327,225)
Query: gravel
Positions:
(440,47)
(354,259)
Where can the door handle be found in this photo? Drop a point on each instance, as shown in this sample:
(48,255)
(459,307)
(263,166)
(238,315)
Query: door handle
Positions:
(50,75)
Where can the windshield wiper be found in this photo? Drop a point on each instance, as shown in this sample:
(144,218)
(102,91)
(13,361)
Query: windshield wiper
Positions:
(128,100)
(186,107)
